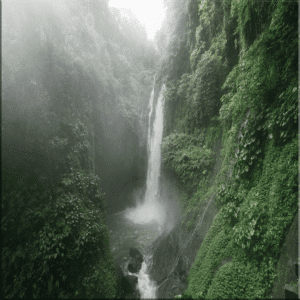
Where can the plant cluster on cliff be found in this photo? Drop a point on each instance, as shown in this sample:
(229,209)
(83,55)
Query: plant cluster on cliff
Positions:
(240,78)
(188,157)
(70,80)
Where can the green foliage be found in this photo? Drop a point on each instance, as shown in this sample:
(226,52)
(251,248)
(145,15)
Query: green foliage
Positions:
(187,157)
(195,99)
(214,249)
(102,272)
(61,235)
(221,270)
(265,70)
(65,249)
(266,113)
(241,280)
(193,94)
(209,31)
(194,205)
(204,91)
(213,134)
(264,216)
(249,47)
(69,73)
(252,17)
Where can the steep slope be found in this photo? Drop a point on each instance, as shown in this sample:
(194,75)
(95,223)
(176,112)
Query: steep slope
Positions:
(231,75)
(73,99)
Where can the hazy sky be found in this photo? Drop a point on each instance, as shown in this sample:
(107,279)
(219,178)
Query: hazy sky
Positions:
(149,12)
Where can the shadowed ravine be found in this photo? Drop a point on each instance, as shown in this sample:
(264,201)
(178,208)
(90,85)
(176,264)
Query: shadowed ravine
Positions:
(139,226)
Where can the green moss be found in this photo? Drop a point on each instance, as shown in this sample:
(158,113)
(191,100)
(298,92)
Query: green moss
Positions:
(262,220)
(270,207)
(195,205)
(236,280)
(215,248)
(100,281)
(186,155)
(258,110)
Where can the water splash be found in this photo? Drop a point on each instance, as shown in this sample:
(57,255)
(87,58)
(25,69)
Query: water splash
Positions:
(152,209)
(146,286)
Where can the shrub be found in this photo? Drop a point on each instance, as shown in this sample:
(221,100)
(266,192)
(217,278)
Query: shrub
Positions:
(187,157)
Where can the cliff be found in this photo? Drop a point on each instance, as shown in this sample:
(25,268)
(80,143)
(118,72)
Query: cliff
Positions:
(231,76)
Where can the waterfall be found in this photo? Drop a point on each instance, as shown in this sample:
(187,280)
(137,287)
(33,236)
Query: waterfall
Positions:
(151,208)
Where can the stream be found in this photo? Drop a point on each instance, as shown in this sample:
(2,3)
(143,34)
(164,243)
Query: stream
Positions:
(125,234)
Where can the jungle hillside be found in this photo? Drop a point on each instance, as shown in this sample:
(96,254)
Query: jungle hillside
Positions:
(231,135)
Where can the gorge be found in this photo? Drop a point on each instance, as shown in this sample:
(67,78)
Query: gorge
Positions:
(143,223)
(138,168)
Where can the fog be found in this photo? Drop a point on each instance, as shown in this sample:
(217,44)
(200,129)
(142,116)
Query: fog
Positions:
(65,61)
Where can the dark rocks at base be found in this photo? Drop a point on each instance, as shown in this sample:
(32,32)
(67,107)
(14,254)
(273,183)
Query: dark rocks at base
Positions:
(133,280)
(126,285)
(290,291)
(136,254)
(134,267)
(136,260)
(129,283)
(175,253)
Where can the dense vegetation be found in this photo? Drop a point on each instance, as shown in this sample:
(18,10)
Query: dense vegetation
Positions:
(231,70)
(76,81)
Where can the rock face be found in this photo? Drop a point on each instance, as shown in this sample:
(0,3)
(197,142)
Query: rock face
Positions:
(136,260)
(129,283)
(175,252)
(126,285)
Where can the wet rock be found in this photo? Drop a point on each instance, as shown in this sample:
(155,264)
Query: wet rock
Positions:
(132,280)
(290,291)
(175,252)
(129,287)
(134,267)
(136,260)
(126,285)
(136,254)
(119,275)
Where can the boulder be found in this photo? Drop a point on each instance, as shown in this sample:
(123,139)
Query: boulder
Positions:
(132,280)
(134,267)
(126,285)
(129,286)
(136,254)
(136,260)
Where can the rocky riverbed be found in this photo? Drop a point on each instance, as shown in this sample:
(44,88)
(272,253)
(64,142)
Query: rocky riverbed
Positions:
(130,244)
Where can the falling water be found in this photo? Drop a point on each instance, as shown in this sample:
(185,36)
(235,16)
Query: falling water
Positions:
(146,286)
(151,209)
(140,226)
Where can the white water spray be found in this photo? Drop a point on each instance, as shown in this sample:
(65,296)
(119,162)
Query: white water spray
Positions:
(152,209)
(146,287)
